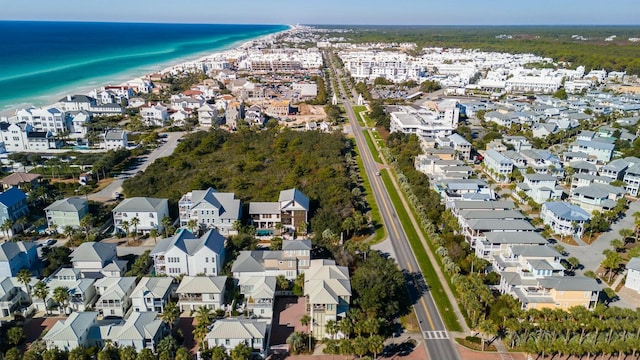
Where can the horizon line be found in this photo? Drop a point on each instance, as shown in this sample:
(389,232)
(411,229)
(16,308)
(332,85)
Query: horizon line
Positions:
(313,24)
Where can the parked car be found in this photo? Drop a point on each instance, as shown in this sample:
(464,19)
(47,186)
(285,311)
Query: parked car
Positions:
(50,242)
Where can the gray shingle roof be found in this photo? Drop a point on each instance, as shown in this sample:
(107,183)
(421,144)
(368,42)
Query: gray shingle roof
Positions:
(190,244)
(142,204)
(94,251)
(72,204)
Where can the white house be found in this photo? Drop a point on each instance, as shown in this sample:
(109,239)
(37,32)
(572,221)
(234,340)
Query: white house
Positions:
(187,254)
(114,295)
(499,166)
(211,209)
(155,115)
(327,289)
(91,259)
(599,150)
(82,293)
(196,291)
(259,293)
(633,274)
(15,256)
(293,259)
(540,187)
(72,332)
(115,139)
(13,296)
(564,218)
(152,294)
(148,211)
(44,119)
(228,333)
(596,196)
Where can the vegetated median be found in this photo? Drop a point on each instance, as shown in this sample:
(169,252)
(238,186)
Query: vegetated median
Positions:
(376,219)
(372,147)
(357,109)
(435,287)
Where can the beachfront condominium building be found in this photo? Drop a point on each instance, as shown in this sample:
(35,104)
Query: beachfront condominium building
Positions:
(45,119)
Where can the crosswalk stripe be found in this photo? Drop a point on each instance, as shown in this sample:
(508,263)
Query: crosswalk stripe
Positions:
(435,335)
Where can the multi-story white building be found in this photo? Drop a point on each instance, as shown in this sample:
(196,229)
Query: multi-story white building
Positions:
(327,289)
(424,123)
(115,139)
(44,119)
(149,213)
(155,115)
(196,291)
(211,209)
(187,254)
(633,274)
(534,84)
(498,166)
(564,218)
(152,294)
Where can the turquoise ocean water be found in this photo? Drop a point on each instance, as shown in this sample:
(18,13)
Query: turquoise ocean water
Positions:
(42,61)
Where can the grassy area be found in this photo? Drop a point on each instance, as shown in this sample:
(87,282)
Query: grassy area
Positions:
(357,110)
(376,219)
(367,121)
(372,147)
(437,291)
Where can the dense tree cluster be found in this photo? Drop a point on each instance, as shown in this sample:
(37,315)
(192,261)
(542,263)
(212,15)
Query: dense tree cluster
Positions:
(552,41)
(256,166)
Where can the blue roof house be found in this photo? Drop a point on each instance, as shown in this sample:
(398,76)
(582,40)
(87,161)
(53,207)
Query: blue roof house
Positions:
(564,218)
(13,205)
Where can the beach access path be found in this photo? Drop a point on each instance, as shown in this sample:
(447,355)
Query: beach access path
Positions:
(163,150)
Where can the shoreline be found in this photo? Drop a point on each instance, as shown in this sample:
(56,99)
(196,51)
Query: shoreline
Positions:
(125,76)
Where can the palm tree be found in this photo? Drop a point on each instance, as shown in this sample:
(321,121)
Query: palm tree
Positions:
(331,327)
(192,225)
(24,277)
(41,291)
(6,227)
(68,231)
(125,226)
(203,316)
(376,345)
(345,326)
(153,233)
(135,222)
(170,314)
(86,223)
(360,345)
(22,221)
(625,234)
(295,341)
(61,295)
(487,328)
(166,222)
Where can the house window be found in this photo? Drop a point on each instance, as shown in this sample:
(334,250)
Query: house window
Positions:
(206,259)
(227,342)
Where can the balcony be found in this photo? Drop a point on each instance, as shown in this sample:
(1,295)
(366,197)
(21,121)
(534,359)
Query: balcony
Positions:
(190,297)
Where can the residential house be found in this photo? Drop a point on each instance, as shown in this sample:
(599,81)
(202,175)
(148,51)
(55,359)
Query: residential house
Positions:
(211,209)
(458,206)
(45,119)
(20,180)
(477,229)
(208,116)
(542,130)
(155,115)
(499,167)
(598,150)
(564,218)
(72,332)
(557,292)
(461,146)
(632,180)
(259,293)
(519,143)
(327,289)
(615,169)
(66,212)
(91,259)
(291,212)
(633,274)
(496,243)
(142,330)
(82,293)
(13,206)
(187,254)
(528,262)
(15,256)
(597,197)
(293,259)
(114,295)
(115,139)
(540,187)
(201,291)
(228,333)
(148,211)
(152,294)
(13,296)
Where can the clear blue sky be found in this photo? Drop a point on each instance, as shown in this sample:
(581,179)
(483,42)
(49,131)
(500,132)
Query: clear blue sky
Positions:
(402,12)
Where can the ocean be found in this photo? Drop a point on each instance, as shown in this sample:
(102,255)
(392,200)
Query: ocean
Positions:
(42,61)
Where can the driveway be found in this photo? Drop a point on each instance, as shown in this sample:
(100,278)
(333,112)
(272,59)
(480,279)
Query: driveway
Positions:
(163,150)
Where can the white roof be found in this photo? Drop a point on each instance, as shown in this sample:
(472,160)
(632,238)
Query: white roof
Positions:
(325,282)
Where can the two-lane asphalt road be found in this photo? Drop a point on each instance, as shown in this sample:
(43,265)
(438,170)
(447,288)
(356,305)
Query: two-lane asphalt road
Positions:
(434,333)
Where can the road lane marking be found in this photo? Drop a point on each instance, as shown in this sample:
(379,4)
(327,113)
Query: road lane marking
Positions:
(424,303)
(435,335)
